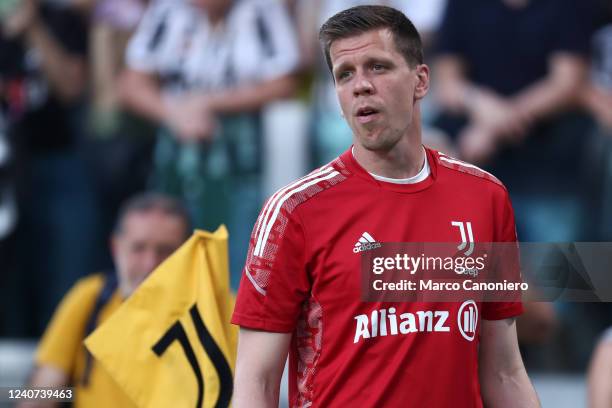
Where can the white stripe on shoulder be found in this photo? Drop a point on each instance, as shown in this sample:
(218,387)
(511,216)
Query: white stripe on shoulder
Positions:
(265,213)
(257,287)
(462,163)
(268,227)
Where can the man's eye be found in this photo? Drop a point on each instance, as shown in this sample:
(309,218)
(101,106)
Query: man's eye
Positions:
(378,67)
(344,75)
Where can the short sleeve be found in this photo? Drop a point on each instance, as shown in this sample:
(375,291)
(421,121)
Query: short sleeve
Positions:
(143,49)
(424,14)
(505,233)
(574,27)
(67,26)
(451,34)
(63,337)
(275,282)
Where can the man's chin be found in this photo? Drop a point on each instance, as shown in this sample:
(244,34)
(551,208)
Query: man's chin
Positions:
(375,143)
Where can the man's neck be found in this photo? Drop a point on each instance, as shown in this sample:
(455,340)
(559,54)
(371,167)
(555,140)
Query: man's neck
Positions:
(403,161)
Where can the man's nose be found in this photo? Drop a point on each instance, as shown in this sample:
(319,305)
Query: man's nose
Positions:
(363,86)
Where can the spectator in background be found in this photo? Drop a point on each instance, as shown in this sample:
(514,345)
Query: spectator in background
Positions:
(509,76)
(8,199)
(203,69)
(43,72)
(597,97)
(120,146)
(330,133)
(150,227)
(508,72)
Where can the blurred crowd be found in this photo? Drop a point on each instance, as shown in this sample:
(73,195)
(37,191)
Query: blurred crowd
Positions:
(218,102)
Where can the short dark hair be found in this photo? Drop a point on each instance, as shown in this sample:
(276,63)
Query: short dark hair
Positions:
(358,20)
(153,201)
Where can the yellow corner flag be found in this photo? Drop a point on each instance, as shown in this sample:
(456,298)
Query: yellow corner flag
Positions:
(171,343)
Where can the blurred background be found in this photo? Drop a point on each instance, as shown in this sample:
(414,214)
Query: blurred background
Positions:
(221,102)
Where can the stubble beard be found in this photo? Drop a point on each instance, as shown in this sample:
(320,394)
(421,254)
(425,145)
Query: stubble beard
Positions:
(384,141)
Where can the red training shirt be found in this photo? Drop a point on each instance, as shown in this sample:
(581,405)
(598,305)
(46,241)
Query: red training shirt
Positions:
(302,276)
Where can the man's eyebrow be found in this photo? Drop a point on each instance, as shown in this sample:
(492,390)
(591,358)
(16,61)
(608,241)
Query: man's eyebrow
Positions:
(375,59)
(341,67)
(369,61)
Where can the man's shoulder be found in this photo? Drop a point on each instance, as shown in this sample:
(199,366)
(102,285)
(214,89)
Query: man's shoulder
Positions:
(309,187)
(466,174)
(88,286)
(68,324)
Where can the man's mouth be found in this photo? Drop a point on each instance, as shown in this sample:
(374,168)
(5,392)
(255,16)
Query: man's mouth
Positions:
(366,114)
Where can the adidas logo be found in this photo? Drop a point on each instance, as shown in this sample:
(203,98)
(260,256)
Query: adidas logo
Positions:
(365,243)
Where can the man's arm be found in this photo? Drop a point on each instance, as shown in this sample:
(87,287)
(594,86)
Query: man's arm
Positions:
(66,72)
(597,101)
(503,379)
(252,97)
(140,92)
(46,376)
(493,117)
(484,107)
(600,376)
(557,91)
(59,346)
(451,83)
(189,116)
(192,116)
(259,368)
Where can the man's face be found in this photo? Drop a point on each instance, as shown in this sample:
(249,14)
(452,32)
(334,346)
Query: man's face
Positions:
(146,238)
(377,88)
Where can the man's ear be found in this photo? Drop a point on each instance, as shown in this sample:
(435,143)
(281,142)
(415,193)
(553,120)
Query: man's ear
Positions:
(422,85)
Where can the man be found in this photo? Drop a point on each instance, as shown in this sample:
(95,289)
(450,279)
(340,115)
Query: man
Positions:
(330,133)
(509,93)
(150,227)
(301,285)
(43,77)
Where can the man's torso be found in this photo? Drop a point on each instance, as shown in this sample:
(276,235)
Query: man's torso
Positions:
(345,350)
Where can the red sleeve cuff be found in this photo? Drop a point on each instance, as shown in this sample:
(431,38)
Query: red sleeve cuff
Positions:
(258,323)
(499,311)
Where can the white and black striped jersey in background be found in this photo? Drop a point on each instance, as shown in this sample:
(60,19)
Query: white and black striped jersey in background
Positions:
(175,41)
